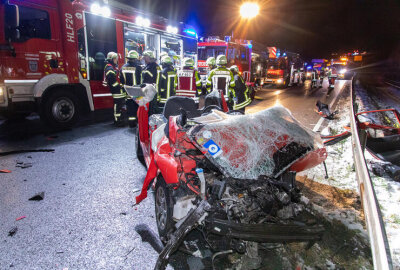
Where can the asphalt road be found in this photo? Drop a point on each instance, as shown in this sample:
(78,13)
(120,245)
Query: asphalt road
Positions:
(300,100)
(87,219)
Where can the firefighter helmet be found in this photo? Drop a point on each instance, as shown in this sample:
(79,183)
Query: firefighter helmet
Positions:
(234,69)
(166,60)
(112,55)
(221,60)
(99,56)
(210,61)
(149,54)
(188,62)
(132,55)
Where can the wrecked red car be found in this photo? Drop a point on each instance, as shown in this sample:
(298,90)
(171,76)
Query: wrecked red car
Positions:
(383,137)
(230,176)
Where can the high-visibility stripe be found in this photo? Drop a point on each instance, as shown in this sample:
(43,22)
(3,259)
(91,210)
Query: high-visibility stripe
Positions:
(133,72)
(115,84)
(185,91)
(102,95)
(170,76)
(185,94)
(242,105)
(132,118)
(112,71)
(148,72)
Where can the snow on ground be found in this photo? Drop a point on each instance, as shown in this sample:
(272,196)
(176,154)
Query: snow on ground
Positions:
(387,190)
(339,163)
(341,170)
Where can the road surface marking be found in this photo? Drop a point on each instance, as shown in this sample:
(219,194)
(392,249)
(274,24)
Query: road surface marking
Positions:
(321,120)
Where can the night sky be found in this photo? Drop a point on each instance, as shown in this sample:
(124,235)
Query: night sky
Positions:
(314,28)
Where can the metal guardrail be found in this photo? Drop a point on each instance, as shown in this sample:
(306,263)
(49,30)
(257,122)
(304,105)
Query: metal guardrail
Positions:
(376,230)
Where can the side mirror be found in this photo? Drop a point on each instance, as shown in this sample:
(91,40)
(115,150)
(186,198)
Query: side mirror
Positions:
(11,16)
(11,22)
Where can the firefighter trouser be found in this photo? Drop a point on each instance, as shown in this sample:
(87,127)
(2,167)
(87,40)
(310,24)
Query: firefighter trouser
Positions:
(119,100)
(132,108)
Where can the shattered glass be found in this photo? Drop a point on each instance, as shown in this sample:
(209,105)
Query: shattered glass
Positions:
(249,146)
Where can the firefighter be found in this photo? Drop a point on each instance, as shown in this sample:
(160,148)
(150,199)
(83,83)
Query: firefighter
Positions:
(211,64)
(188,82)
(151,74)
(162,55)
(167,80)
(177,62)
(222,78)
(242,98)
(315,79)
(118,94)
(130,75)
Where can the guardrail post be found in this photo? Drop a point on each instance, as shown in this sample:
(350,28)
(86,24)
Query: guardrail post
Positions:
(363,138)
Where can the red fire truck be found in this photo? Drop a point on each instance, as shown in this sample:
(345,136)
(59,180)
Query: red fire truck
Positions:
(285,70)
(237,53)
(52,53)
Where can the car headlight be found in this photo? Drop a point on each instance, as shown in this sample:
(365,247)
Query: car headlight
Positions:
(279,81)
(2,97)
(343,71)
(308,74)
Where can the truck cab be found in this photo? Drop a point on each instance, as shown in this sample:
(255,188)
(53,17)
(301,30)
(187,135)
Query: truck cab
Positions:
(52,53)
(38,61)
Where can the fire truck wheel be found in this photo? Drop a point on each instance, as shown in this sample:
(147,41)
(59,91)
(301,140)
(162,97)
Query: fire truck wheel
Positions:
(139,151)
(163,208)
(61,109)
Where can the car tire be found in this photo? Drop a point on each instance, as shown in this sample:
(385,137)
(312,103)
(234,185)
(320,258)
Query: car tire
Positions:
(139,151)
(61,109)
(163,204)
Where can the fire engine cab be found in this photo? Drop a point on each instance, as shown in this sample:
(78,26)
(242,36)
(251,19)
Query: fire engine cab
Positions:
(52,53)
(237,53)
(285,70)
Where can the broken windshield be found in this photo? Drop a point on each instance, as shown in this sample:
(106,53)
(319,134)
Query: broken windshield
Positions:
(248,146)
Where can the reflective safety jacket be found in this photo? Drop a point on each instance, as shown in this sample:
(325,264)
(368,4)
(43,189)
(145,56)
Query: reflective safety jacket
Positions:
(167,83)
(130,74)
(222,78)
(151,74)
(111,78)
(242,93)
(188,83)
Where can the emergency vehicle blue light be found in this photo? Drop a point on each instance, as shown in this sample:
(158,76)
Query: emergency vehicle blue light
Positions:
(250,46)
(284,54)
(309,67)
(191,32)
(278,54)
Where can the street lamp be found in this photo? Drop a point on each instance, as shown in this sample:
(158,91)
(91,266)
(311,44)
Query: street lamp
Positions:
(249,10)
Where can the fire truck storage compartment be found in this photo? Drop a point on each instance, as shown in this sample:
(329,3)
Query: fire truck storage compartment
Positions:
(102,38)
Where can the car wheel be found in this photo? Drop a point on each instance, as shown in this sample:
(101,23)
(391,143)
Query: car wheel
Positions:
(139,150)
(61,109)
(163,208)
